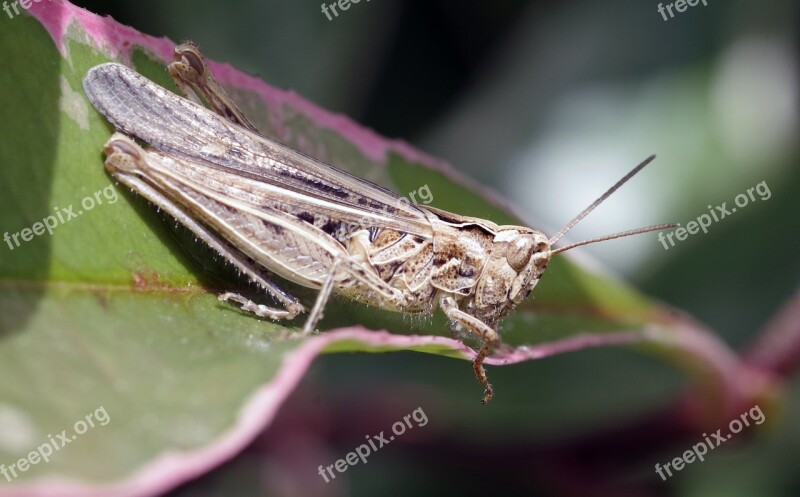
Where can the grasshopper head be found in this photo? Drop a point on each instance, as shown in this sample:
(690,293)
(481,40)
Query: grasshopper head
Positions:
(520,255)
(518,258)
(527,252)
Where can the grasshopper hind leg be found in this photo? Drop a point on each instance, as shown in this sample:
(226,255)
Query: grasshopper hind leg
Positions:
(192,75)
(124,157)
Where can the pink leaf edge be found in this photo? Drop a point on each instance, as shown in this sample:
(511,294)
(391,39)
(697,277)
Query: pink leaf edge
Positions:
(171,469)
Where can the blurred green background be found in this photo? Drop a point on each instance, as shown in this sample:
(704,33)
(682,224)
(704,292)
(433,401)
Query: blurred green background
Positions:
(549,104)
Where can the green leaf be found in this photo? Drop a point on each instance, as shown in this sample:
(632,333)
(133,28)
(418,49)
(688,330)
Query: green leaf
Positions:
(113,314)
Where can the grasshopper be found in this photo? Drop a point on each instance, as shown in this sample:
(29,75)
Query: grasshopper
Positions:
(270,210)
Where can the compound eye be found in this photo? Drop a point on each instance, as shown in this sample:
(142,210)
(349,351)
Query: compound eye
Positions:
(519,252)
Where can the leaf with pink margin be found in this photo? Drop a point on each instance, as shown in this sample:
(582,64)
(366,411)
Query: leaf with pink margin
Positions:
(116,311)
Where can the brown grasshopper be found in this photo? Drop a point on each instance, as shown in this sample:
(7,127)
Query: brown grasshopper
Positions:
(268,208)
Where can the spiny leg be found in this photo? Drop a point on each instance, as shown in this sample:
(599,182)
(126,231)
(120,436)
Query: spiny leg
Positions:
(483,330)
(316,312)
(194,78)
(124,156)
(192,75)
(260,310)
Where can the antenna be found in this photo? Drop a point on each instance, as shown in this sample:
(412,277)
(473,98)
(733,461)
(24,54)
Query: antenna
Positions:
(621,234)
(599,201)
